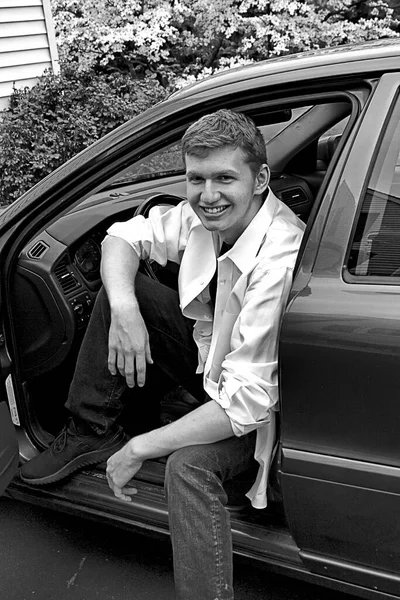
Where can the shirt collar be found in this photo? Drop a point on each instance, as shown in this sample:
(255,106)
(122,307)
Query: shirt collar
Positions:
(248,244)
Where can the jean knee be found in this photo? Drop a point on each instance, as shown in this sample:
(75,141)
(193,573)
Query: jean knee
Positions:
(177,465)
(189,475)
(182,471)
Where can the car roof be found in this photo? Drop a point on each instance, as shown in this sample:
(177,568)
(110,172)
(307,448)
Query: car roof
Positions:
(367,56)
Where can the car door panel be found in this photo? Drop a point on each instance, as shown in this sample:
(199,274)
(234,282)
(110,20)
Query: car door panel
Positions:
(9,455)
(352,527)
(340,358)
(8,446)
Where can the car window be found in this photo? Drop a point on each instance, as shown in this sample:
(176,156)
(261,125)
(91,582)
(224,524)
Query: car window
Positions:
(168,160)
(270,130)
(375,248)
(338,128)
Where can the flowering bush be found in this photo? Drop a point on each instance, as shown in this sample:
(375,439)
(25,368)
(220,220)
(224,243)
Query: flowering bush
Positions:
(182,40)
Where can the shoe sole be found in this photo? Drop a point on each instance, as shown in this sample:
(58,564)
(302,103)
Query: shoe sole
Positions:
(84,460)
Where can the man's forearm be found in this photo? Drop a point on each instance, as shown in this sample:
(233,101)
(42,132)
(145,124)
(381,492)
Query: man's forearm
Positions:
(128,340)
(119,266)
(204,425)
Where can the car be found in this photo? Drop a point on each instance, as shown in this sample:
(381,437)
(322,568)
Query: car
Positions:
(331,124)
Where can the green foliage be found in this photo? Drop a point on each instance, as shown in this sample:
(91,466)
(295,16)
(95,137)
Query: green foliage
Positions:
(59,117)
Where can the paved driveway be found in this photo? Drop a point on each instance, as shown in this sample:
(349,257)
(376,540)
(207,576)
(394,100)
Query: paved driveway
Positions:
(52,556)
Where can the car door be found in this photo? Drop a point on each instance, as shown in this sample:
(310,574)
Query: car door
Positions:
(8,438)
(340,365)
(8,446)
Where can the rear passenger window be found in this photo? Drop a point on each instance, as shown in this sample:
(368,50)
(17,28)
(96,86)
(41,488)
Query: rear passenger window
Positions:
(375,249)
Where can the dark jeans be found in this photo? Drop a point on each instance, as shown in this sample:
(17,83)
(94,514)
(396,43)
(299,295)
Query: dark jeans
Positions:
(95,395)
(199,521)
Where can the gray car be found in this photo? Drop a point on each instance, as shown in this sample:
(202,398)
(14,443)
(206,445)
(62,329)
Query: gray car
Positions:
(331,123)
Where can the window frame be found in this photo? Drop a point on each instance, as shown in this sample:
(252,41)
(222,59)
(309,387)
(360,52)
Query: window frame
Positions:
(309,98)
(349,277)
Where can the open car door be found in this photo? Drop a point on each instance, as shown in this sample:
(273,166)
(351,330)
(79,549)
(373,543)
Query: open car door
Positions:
(8,439)
(8,447)
(9,452)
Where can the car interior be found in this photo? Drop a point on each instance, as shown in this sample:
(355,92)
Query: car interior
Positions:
(58,272)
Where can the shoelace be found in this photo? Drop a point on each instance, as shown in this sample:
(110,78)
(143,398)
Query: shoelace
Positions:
(60,441)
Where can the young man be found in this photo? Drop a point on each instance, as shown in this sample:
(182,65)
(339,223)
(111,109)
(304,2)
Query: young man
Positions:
(236,245)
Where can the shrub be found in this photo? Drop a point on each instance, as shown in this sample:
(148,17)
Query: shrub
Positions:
(60,116)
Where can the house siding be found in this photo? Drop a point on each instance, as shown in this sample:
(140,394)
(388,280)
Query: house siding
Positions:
(27,44)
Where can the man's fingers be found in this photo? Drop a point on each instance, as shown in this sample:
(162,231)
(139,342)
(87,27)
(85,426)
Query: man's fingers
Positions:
(140,369)
(129,372)
(148,354)
(121,363)
(122,496)
(124,493)
(118,493)
(111,361)
(130,364)
(126,367)
(129,490)
(125,363)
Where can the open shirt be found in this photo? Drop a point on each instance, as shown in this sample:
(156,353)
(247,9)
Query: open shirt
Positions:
(237,339)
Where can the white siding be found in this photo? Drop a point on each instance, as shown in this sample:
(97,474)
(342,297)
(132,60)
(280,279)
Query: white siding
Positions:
(27,44)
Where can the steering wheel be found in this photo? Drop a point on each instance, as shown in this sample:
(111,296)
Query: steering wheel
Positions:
(150,267)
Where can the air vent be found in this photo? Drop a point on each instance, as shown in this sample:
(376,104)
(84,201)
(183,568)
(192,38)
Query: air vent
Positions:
(38,250)
(294,197)
(66,277)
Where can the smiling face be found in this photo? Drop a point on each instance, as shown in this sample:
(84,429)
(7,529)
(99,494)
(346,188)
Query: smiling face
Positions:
(224,192)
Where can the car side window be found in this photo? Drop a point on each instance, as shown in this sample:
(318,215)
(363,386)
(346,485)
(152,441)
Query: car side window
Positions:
(375,247)
(162,163)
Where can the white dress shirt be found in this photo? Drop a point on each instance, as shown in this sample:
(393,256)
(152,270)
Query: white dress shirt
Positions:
(238,341)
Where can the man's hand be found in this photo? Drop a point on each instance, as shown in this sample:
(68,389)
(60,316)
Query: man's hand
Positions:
(204,425)
(128,345)
(121,467)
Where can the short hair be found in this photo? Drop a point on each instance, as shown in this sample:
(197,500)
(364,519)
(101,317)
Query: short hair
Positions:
(225,128)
